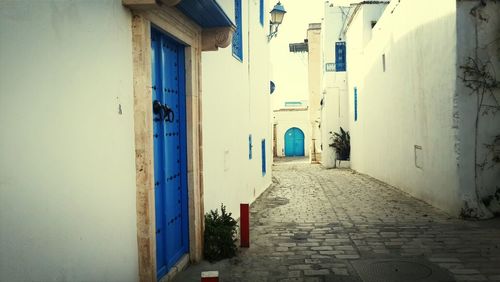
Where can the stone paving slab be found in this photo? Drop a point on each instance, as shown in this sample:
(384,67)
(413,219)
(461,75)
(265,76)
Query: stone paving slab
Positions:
(312,223)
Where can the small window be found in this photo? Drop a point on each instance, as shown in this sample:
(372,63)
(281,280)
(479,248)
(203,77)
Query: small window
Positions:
(250,146)
(383,62)
(237,36)
(355,103)
(263,157)
(261,13)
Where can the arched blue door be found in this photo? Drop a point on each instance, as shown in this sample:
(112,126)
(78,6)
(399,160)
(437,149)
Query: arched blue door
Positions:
(294,142)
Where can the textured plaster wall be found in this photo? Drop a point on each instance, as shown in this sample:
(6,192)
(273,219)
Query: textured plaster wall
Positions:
(236,103)
(314,84)
(405,133)
(67,165)
(487,28)
(287,119)
(334,110)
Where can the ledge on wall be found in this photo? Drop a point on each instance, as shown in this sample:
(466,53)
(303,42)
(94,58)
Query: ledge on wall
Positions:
(217,27)
(148,4)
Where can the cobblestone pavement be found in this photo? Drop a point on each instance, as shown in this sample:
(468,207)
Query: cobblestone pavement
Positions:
(312,224)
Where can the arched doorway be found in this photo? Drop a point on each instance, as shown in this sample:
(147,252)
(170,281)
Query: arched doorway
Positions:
(294,142)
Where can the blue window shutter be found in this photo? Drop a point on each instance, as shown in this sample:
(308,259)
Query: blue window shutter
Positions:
(263,156)
(261,15)
(250,146)
(355,103)
(238,36)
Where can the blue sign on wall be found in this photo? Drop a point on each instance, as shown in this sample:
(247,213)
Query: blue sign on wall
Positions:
(340,62)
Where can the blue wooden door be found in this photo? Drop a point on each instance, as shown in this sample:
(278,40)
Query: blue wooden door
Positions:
(294,142)
(169,135)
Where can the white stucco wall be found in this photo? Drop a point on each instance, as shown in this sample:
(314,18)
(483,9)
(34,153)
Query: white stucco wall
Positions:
(235,105)
(488,52)
(410,103)
(314,84)
(286,119)
(334,111)
(67,165)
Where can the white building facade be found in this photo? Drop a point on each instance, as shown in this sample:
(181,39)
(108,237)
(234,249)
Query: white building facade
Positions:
(237,130)
(334,106)
(314,84)
(414,123)
(106,118)
(292,129)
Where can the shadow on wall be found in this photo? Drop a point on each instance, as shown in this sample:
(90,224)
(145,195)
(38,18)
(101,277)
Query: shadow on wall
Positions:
(424,105)
(479,82)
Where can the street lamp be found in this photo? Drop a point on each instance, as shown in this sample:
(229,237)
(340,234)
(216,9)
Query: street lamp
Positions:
(277,14)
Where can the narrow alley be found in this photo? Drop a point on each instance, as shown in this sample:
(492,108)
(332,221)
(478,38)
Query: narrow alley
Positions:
(353,140)
(316,224)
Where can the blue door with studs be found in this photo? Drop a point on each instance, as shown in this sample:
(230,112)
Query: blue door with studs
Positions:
(294,142)
(170,162)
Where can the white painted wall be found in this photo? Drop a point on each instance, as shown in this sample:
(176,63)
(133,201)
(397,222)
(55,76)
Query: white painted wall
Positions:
(408,104)
(331,115)
(466,104)
(334,111)
(286,119)
(67,167)
(235,105)
(314,83)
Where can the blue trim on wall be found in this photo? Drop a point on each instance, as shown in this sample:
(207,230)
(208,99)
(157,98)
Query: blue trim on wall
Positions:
(261,13)
(263,145)
(238,35)
(250,146)
(355,103)
(206,13)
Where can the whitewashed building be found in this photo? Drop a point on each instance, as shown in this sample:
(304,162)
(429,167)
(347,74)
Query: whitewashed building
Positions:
(237,132)
(292,130)
(414,122)
(314,85)
(334,102)
(312,114)
(107,112)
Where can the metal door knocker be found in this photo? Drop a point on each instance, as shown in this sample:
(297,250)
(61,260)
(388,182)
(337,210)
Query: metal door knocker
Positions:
(169,113)
(165,112)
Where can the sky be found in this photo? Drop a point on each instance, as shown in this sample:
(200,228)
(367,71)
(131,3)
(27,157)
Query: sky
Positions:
(289,70)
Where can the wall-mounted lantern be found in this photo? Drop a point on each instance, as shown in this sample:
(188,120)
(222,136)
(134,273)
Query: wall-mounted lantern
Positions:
(277,15)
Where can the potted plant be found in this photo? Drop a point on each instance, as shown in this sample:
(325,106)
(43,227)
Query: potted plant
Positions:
(341,142)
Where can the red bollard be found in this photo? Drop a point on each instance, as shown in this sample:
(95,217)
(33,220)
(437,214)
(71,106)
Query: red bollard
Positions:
(210,276)
(245,225)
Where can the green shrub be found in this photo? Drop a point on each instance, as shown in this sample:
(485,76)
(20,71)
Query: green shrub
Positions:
(220,233)
(341,142)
